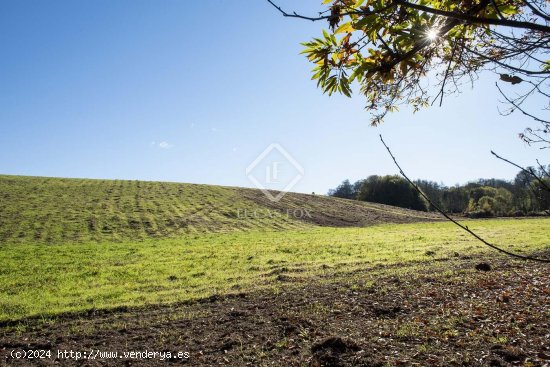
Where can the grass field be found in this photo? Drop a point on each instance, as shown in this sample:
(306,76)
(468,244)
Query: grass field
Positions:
(46,279)
(56,210)
(72,210)
(236,279)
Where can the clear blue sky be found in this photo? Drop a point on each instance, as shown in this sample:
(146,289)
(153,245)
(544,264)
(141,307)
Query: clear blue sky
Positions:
(193,91)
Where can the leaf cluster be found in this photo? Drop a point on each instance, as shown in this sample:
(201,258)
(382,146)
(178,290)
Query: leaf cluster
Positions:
(416,52)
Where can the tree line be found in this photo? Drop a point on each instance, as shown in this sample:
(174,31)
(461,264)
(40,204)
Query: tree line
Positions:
(524,195)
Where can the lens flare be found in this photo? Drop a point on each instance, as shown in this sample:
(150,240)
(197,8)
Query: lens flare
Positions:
(432,34)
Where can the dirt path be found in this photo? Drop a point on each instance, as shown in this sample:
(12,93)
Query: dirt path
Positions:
(447,314)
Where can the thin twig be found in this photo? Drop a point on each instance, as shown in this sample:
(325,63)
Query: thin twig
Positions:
(541,167)
(536,11)
(523,257)
(295,15)
(442,90)
(506,66)
(517,107)
(528,171)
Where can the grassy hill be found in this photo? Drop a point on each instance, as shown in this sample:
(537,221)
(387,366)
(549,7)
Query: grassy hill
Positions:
(58,210)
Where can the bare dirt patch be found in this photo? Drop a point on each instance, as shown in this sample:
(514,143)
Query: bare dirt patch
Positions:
(335,212)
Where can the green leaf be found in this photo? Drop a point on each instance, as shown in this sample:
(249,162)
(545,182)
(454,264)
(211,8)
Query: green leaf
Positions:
(508,9)
(363,22)
(344,87)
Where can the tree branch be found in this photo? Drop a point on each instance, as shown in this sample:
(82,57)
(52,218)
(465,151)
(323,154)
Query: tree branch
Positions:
(536,11)
(296,15)
(523,257)
(448,14)
(516,106)
(506,66)
(528,171)
(541,167)
(476,20)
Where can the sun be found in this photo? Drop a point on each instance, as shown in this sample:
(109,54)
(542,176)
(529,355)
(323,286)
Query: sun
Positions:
(432,34)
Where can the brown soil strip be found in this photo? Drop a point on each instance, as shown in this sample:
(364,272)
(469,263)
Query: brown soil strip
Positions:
(334,212)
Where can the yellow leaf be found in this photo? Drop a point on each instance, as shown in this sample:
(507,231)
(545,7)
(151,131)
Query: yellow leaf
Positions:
(344,28)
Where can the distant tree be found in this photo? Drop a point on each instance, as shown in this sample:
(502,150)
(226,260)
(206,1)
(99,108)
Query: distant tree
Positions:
(525,195)
(391,190)
(537,181)
(523,178)
(480,191)
(357,187)
(433,190)
(455,200)
(541,195)
(496,183)
(524,200)
(504,204)
(345,191)
(487,201)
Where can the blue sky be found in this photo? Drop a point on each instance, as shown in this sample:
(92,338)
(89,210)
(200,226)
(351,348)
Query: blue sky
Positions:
(194,91)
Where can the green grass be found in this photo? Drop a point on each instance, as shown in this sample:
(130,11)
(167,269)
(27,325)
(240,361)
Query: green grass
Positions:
(46,279)
(59,210)
(50,210)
